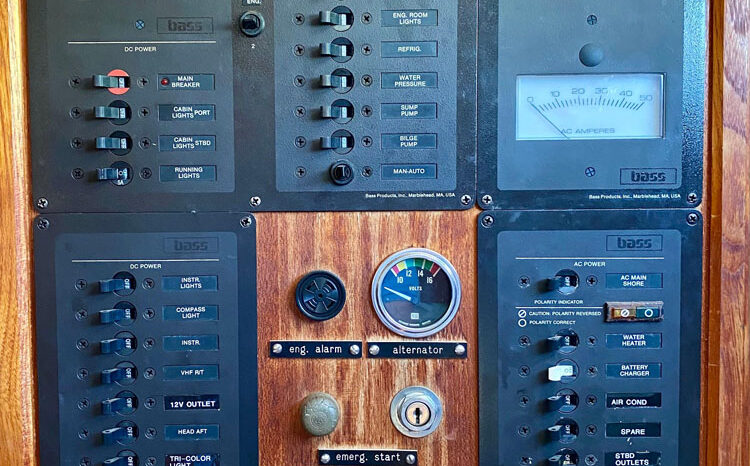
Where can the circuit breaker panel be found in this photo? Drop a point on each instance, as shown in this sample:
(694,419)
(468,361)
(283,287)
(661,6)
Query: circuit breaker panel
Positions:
(177,106)
(589,332)
(591,104)
(146,339)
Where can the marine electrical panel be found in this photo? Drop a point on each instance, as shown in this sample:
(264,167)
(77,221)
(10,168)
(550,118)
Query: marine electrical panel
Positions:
(589,335)
(252,105)
(146,339)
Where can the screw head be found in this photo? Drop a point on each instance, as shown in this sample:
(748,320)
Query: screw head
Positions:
(146,173)
(300,142)
(366,18)
(591,400)
(149,373)
(150,461)
(354,350)
(82,344)
(299,19)
(367,172)
(150,432)
(325,458)
(374,350)
(82,373)
(523,431)
(149,314)
(465,199)
(460,349)
(367,111)
(255,201)
(367,141)
(277,348)
(592,371)
(524,400)
(592,19)
(591,460)
(140,24)
(524,341)
(299,80)
(300,172)
(42,224)
(591,280)
(83,434)
(81,314)
(83,404)
(487,221)
(591,340)
(77,173)
(144,112)
(245,222)
(75,113)
(148,283)
(300,111)
(145,143)
(367,80)
(143,81)
(524,371)
(692,218)
(524,281)
(74,81)
(42,203)
(150,403)
(590,171)
(81,284)
(299,50)
(76,143)
(411,458)
(367,49)
(149,343)
(85,461)
(692,198)
(526,460)
(486,199)
(591,429)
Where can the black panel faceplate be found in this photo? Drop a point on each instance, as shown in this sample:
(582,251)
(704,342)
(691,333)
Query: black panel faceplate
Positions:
(634,37)
(195,304)
(212,120)
(518,252)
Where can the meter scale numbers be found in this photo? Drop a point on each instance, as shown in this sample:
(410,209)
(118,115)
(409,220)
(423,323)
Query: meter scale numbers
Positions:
(590,107)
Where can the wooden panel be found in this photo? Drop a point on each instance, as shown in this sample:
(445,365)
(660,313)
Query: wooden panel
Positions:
(728,393)
(17,393)
(352,245)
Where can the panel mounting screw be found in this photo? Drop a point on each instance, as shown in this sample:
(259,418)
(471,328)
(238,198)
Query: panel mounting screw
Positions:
(145,143)
(591,340)
(692,218)
(465,199)
(524,400)
(149,314)
(299,112)
(300,172)
(366,18)
(367,172)
(74,81)
(82,344)
(85,461)
(42,203)
(524,341)
(692,198)
(150,403)
(460,350)
(325,458)
(299,19)
(367,141)
(592,19)
(149,343)
(526,460)
(487,221)
(82,373)
(149,373)
(150,432)
(146,173)
(83,433)
(143,81)
(148,283)
(367,111)
(77,173)
(523,431)
(591,280)
(76,143)
(524,281)
(81,284)
(367,80)
(411,459)
(486,199)
(277,348)
(300,142)
(255,201)
(366,49)
(75,113)
(591,460)
(354,350)
(81,314)
(299,80)
(524,371)
(591,400)
(245,222)
(144,112)
(592,371)
(591,429)
(151,461)
(299,50)
(374,350)
(42,224)
(83,404)
(140,24)
(590,171)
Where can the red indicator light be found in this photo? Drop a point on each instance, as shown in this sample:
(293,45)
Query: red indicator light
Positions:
(164,81)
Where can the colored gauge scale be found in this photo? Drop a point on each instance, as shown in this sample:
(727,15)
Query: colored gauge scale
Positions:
(416,292)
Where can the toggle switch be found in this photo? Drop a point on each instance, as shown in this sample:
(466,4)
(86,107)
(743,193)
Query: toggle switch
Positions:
(125,373)
(341,141)
(340,49)
(123,403)
(565,401)
(124,433)
(122,460)
(565,457)
(341,18)
(341,80)
(320,414)
(115,284)
(109,316)
(564,341)
(113,345)
(111,112)
(335,112)
(112,143)
(119,174)
(564,431)
(564,371)
(111,82)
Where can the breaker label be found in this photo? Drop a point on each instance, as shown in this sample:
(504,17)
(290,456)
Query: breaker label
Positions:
(409,111)
(633,400)
(408,80)
(190,312)
(187,373)
(203,459)
(191,402)
(192,432)
(187,173)
(634,371)
(187,112)
(187,143)
(633,340)
(634,280)
(191,343)
(409,18)
(632,458)
(190,283)
(634,429)
(186,82)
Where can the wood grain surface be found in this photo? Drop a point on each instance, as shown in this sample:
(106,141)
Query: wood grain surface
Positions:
(352,245)
(17,393)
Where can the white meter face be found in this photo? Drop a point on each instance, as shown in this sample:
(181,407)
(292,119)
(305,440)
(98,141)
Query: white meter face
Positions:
(590,106)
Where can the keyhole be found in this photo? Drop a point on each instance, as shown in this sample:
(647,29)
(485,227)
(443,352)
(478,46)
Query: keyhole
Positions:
(418,415)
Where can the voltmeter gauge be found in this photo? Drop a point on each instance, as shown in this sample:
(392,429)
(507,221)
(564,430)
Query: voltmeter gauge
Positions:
(416,292)
(590,106)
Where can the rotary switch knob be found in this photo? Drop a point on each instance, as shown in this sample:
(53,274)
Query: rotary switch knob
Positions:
(320,414)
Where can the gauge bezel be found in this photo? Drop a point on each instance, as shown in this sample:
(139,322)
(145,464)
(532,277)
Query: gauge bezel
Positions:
(379,305)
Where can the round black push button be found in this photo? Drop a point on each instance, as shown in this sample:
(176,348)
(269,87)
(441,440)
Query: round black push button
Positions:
(320,295)
(341,173)
(252,23)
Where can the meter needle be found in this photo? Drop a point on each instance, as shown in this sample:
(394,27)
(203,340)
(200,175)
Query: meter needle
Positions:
(400,295)
(549,121)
